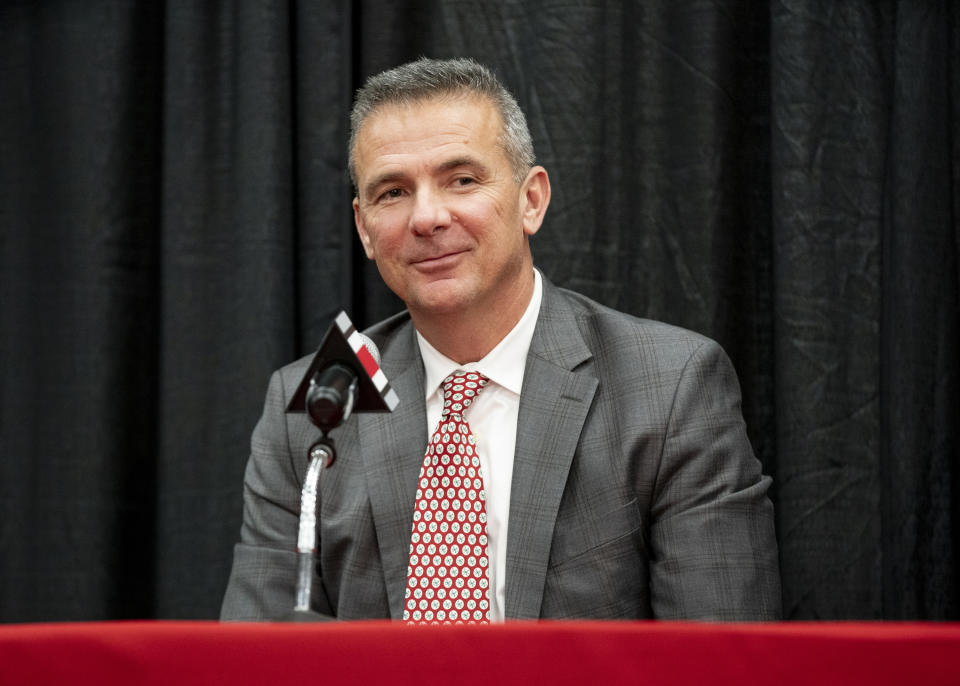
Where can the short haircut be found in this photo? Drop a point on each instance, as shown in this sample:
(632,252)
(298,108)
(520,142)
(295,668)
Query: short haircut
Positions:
(427,78)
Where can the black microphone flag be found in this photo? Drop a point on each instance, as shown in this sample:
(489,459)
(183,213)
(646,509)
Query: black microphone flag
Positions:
(343,344)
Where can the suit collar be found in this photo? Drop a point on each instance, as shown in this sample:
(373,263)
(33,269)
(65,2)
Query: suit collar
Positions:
(557,337)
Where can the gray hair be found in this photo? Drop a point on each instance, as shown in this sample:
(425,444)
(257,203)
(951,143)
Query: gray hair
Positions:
(428,78)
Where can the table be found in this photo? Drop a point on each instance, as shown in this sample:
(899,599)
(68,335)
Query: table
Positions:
(583,653)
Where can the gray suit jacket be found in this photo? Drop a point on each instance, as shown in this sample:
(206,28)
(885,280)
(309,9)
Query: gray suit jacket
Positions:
(635,491)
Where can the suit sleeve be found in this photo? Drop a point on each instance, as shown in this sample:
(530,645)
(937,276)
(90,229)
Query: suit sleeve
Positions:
(713,547)
(262,581)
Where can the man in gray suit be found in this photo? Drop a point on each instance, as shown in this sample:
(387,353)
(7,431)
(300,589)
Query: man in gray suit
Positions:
(617,474)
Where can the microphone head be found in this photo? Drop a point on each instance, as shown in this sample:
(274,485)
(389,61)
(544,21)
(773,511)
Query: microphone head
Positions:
(331,396)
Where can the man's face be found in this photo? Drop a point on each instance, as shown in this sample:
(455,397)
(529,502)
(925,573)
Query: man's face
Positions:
(438,209)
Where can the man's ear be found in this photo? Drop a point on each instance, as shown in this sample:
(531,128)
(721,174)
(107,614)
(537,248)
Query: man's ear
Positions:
(534,199)
(362,230)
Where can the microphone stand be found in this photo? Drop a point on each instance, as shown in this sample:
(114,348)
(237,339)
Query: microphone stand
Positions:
(322,454)
(330,402)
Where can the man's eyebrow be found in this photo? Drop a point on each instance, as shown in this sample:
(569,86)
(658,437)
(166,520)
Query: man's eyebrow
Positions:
(464,161)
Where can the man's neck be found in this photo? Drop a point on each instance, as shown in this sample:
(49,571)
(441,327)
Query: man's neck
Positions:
(467,336)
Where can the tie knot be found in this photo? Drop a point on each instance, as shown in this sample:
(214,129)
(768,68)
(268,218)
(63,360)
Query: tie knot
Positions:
(460,389)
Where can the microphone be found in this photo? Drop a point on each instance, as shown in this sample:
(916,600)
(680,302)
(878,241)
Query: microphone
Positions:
(344,377)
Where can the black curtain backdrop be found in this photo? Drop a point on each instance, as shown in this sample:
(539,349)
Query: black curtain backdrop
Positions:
(783,176)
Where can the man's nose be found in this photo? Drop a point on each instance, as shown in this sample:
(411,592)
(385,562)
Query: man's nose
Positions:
(430,212)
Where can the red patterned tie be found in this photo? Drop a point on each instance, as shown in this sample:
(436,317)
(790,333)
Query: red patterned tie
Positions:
(447,574)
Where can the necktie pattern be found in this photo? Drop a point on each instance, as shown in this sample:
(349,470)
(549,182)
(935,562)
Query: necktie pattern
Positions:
(447,580)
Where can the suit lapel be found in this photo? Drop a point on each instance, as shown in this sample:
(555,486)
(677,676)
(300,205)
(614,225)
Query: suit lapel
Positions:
(553,406)
(392,448)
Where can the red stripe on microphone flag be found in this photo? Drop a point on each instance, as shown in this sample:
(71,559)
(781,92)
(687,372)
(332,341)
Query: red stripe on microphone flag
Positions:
(366,359)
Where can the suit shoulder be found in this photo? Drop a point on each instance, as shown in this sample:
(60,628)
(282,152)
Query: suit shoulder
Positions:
(606,329)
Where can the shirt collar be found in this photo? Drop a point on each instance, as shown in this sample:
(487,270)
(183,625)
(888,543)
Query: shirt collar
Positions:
(503,365)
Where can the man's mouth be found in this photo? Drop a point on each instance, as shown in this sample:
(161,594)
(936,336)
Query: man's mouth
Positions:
(438,262)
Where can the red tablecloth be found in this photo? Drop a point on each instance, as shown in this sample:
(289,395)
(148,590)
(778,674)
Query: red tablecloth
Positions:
(582,653)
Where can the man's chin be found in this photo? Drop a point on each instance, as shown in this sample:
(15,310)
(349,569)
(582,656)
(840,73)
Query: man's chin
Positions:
(442,297)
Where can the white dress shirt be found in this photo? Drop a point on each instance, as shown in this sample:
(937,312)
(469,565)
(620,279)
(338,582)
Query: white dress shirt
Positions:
(493,421)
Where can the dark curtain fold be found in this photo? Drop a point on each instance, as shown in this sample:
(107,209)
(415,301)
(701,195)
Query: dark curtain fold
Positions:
(865,284)
(176,222)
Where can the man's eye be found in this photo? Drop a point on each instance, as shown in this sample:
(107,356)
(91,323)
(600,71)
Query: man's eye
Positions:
(464,181)
(391,194)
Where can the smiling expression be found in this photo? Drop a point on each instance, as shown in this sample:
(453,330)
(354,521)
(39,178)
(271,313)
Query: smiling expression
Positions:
(438,207)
